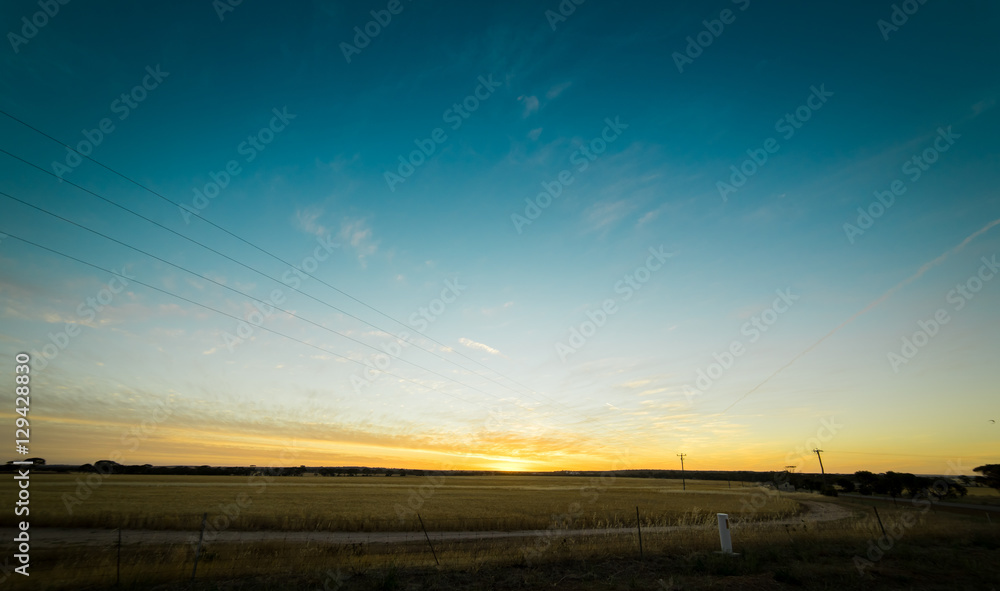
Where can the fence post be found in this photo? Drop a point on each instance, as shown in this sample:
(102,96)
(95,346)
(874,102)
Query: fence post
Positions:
(638,525)
(428,540)
(118,565)
(197,552)
(879,521)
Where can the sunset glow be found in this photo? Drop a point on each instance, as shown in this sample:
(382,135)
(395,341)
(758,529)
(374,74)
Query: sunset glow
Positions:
(516,244)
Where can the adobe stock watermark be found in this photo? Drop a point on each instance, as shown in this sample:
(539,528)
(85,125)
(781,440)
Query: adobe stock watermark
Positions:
(31,26)
(825,433)
(923,501)
(899,16)
(364,35)
(334,580)
(221,7)
(427,147)
(714,28)
(913,168)
(258,480)
(292,278)
(420,320)
(229,513)
(753,329)
(249,148)
(564,521)
(87,311)
(123,106)
(565,9)
(131,440)
(787,126)
(418,496)
(927,329)
(581,158)
(597,318)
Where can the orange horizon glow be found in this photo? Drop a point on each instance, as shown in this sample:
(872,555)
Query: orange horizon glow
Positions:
(175,447)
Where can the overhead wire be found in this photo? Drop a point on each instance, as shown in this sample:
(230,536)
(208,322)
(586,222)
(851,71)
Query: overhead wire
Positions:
(219,253)
(279,259)
(6,234)
(549,400)
(244,294)
(251,297)
(210,308)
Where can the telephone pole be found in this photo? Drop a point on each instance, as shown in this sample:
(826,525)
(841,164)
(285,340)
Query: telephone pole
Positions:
(683,483)
(822,471)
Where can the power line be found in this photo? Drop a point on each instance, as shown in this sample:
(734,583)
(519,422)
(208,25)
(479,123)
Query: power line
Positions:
(578,434)
(868,453)
(277,258)
(261,273)
(885,296)
(207,307)
(186,270)
(234,290)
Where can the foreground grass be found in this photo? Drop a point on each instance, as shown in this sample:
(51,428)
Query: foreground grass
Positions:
(452,503)
(939,551)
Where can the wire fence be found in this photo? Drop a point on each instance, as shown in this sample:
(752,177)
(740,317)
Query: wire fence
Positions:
(77,557)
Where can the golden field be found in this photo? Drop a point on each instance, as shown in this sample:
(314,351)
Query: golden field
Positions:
(378,503)
(938,550)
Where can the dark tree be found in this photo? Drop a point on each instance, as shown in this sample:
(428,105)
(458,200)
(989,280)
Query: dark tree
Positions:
(894,483)
(866,478)
(955,490)
(845,484)
(990,475)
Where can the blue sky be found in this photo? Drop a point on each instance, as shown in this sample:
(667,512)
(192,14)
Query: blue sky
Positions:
(604,79)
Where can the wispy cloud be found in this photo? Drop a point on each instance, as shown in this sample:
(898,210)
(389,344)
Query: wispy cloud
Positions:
(307,220)
(340,162)
(482,347)
(605,213)
(983,106)
(358,234)
(557,90)
(531,105)
(497,309)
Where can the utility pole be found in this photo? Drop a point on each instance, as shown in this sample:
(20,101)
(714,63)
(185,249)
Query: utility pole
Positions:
(822,471)
(683,483)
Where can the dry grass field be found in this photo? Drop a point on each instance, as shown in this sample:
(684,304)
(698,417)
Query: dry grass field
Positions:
(981,495)
(929,550)
(448,503)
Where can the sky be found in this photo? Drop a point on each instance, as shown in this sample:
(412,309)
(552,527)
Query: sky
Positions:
(503,236)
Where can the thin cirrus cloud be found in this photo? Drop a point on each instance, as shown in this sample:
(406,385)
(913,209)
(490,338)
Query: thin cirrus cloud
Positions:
(532,104)
(479,346)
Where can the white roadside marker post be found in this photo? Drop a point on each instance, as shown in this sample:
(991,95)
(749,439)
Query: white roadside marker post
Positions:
(724,538)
